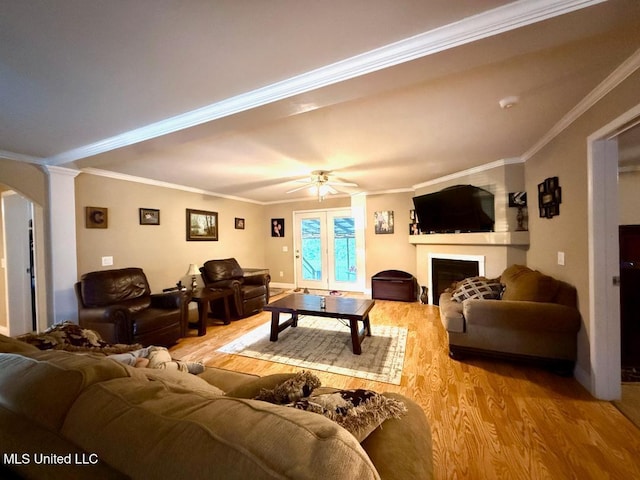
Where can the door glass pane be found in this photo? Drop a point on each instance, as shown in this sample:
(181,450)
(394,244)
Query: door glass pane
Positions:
(344,247)
(311,249)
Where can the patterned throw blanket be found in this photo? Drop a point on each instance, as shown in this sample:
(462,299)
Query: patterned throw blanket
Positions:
(71,337)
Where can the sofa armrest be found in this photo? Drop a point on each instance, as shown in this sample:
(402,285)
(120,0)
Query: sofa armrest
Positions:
(168,300)
(401,448)
(262,279)
(113,323)
(521,315)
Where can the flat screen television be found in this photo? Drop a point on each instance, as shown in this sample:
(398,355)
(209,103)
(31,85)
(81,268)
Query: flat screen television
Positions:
(461,208)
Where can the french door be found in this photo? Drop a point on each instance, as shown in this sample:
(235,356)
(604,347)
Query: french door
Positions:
(329,250)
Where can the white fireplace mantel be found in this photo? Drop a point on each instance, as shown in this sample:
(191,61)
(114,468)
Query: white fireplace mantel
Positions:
(476,238)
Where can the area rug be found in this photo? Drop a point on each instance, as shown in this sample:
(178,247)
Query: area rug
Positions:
(325,344)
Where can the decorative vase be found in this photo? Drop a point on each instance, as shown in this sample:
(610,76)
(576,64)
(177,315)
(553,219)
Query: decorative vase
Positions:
(424,295)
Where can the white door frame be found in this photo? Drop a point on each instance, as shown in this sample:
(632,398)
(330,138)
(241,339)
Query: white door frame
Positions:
(16,213)
(357,214)
(604,296)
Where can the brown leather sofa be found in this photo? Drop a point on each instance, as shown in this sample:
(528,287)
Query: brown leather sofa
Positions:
(118,304)
(250,292)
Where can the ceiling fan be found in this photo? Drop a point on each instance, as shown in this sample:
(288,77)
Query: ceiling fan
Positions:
(320,184)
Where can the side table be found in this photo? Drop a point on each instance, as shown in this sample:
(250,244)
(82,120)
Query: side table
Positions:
(202,296)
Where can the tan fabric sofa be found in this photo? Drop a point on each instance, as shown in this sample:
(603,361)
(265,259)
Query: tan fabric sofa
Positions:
(535,319)
(68,415)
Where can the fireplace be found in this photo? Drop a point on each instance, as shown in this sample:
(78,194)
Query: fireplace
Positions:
(446,269)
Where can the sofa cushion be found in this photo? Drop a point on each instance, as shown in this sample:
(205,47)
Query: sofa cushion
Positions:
(42,385)
(219,436)
(107,287)
(522,283)
(225,269)
(477,287)
(13,345)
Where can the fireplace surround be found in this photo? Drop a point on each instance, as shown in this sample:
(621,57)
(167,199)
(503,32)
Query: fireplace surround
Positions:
(444,269)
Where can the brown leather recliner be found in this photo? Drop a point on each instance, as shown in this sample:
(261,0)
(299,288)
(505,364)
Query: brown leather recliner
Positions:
(118,304)
(250,293)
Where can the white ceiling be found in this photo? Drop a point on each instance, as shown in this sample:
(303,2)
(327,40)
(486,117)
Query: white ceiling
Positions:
(240,98)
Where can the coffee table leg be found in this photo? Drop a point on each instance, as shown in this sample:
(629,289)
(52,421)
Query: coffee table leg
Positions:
(275,320)
(355,337)
(367,326)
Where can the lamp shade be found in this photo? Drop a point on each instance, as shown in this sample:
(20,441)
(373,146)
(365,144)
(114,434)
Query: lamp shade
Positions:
(193,270)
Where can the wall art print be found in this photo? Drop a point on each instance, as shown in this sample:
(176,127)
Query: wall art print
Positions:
(549,197)
(277,227)
(383,221)
(96,217)
(202,225)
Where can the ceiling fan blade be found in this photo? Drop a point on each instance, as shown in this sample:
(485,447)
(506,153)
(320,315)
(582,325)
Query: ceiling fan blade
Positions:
(331,190)
(300,188)
(342,184)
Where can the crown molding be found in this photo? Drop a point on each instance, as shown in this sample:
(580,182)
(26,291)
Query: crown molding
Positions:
(493,22)
(19,157)
(158,183)
(621,73)
(51,169)
(470,171)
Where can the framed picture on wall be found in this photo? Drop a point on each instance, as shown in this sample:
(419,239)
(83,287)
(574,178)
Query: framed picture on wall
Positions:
(277,227)
(202,225)
(96,217)
(383,221)
(149,216)
(239,223)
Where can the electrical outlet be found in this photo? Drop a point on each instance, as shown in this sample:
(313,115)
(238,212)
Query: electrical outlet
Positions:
(282,274)
(560,258)
(107,261)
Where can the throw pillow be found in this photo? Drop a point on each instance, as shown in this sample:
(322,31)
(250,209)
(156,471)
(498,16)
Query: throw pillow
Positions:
(523,284)
(358,411)
(71,337)
(477,287)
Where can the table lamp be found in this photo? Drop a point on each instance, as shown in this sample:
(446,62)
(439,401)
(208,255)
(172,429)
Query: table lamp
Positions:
(193,271)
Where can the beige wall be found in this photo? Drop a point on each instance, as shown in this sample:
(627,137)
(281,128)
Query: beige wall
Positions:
(566,158)
(389,251)
(629,197)
(162,250)
(26,179)
(164,254)
(276,259)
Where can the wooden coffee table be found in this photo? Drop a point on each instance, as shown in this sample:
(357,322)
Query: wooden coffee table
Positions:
(352,309)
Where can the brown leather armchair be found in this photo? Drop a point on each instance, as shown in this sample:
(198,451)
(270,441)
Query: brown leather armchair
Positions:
(250,293)
(118,304)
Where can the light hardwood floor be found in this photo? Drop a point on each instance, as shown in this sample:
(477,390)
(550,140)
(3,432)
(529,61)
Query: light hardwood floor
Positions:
(489,419)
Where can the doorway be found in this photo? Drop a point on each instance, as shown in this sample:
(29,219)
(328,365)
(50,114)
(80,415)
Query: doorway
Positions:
(604,260)
(328,246)
(19,259)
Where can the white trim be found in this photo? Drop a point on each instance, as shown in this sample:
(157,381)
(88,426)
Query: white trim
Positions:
(158,183)
(62,170)
(623,71)
(20,157)
(480,259)
(470,171)
(604,298)
(493,22)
